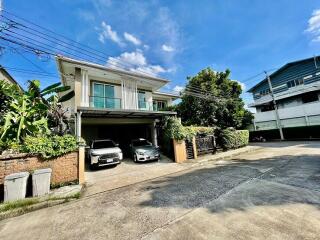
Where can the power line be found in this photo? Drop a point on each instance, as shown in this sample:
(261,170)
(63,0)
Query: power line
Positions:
(32,63)
(120,64)
(41,47)
(17,25)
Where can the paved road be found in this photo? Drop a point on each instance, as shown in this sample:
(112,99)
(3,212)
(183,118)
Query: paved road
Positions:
(273,193)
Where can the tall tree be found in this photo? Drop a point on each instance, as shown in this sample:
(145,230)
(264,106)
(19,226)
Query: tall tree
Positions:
(223,107)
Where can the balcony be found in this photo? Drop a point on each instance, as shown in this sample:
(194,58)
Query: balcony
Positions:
(115,103)
(104,102)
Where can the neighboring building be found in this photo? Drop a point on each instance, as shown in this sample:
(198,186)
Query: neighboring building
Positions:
(296,88)
(112,103)
(4,75)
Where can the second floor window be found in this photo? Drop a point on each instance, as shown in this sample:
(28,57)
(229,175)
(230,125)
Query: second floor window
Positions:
(159,105)
(294,83)
(264,92)
(103,96)
(142,103)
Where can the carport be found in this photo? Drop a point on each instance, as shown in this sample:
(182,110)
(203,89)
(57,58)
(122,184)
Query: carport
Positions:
(119,125)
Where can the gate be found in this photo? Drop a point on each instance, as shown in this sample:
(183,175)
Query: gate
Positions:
(189,149)
(205,144)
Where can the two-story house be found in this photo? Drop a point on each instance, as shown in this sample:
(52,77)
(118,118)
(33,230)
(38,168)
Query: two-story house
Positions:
(113,103)
(4,75)
(296,88)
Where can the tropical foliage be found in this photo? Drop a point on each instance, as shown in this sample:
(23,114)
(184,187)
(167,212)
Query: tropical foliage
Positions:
(222,108)
(49,146)
(27,112)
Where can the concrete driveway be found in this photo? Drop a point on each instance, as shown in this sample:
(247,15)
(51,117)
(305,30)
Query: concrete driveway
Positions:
(273,193)
(128,173)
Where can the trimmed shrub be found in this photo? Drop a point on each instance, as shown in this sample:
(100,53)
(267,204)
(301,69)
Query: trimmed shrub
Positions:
(175,130)
(49,146)
(231,139)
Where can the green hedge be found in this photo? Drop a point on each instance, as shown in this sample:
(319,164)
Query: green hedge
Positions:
(231,139)
(173,129)
(49,146)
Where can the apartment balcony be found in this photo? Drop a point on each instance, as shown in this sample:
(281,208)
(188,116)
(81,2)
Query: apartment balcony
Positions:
(297,116)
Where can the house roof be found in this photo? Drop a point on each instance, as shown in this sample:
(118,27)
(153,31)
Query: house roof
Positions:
(8,76)
(281,69)
(174,96)
(105,68)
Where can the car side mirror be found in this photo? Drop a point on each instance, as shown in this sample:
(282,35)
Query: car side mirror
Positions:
(117,144)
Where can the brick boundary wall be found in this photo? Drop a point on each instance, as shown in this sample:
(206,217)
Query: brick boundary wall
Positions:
(64,168)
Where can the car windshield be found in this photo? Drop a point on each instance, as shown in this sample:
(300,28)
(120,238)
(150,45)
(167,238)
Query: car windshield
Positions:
(138,143)
(103,144)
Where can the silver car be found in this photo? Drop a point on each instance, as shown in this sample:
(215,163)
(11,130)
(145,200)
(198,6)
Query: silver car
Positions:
(142,150)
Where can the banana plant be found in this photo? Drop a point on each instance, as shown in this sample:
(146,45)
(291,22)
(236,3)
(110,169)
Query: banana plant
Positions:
(27,112)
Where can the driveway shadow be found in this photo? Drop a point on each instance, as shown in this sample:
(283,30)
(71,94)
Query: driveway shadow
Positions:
(241,184)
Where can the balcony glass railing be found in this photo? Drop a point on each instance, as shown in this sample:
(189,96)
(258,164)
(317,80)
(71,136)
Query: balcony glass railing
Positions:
(143,105)
(105,102)
(115,103)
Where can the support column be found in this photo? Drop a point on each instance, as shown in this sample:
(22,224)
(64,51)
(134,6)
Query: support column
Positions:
(78,126)
(154,135)
(84,88)
(81,162)
(254,125)
(77,89)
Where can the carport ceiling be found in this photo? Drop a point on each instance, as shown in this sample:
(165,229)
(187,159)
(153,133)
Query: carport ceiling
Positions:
(123,113)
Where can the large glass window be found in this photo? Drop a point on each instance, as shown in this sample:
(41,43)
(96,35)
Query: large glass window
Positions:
(142,100)
(103,96)
(98,95)
(159,105)
(109,96)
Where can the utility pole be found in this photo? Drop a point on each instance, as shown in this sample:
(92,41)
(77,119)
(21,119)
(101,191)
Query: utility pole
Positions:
(275,107)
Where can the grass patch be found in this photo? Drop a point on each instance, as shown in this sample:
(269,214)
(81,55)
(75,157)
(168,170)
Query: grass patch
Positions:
(23,203)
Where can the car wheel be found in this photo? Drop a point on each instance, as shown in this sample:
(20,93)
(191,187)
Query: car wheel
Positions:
(135,158)
(93,167)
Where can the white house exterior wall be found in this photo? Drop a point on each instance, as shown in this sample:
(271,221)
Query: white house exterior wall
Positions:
(297,116)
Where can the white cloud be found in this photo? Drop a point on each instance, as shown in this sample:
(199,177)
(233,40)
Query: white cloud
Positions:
(167,48)
(146,47)
(178,88)
(136,62)
(108,33)
(135,58)
(314,25)
(130,38)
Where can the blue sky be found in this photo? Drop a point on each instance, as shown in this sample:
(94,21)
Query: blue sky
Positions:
(176,39)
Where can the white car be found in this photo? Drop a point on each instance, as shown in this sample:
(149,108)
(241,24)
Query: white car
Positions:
(104,152)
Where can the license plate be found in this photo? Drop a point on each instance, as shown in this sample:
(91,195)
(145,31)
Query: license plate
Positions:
(109,160)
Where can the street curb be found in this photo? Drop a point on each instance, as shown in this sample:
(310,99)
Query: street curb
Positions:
(225,155)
